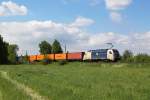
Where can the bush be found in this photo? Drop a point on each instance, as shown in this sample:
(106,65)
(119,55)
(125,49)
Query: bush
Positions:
(127,56)
(63,62)
(46,61)
(144,58)
(42,62)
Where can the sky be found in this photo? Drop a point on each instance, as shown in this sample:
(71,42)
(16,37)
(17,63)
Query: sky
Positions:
(81,25)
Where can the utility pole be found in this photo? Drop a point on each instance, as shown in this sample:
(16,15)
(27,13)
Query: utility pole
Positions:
(65,48)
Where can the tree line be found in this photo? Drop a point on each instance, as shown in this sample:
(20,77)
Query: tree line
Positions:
(8,52)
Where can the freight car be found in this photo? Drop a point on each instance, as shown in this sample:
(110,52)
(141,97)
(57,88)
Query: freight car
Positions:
(75,56)
(91,55)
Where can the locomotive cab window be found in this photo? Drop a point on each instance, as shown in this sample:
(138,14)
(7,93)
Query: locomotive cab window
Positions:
(110,52)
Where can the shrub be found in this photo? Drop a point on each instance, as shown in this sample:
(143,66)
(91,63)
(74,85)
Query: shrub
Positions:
(127,56)
(62,62)
(46,61)
(142,58)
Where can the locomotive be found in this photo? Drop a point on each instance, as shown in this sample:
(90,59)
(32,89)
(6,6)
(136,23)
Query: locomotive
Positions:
(91,55)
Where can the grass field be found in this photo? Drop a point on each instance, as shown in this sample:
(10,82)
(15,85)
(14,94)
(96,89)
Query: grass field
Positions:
(75,81)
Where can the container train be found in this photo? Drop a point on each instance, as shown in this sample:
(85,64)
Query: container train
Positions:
(91,55)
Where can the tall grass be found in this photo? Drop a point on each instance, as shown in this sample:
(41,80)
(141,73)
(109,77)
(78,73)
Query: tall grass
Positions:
(10,92)
(85,81)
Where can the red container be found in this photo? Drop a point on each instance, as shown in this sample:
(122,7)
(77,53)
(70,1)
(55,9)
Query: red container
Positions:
(75,56)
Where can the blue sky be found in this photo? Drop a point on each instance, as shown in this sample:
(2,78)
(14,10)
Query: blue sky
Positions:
(121,17)
(136,16)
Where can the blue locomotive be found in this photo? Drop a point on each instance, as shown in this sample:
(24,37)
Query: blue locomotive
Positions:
(102,54)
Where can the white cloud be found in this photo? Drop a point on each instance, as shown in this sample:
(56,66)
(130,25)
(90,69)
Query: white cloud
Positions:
(115,16)
(81,21)
(28,34)
(137,42)
(117,4)
(9,8)
(113,6)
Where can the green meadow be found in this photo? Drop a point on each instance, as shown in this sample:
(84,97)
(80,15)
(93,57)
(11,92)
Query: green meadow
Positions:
(75,81)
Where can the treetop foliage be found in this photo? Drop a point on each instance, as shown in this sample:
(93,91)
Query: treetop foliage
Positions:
(8,53)
(139,58)
(45,47)
(12,53)
(56,47)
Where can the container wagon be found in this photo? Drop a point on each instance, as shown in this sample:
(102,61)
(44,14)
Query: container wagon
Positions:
(75,56)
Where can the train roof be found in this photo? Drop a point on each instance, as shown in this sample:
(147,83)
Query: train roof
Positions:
(101,50)
(98,50)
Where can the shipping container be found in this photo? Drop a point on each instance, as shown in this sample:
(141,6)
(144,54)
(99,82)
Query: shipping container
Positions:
(50,56)
(62,56)
(75,56)
(40,57)
(32,58)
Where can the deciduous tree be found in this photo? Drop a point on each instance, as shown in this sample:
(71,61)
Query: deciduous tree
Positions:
(56,47)
(12,53)
(45,47)
(127,56)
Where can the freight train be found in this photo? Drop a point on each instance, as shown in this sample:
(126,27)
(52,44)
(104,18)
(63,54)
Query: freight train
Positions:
(91,55)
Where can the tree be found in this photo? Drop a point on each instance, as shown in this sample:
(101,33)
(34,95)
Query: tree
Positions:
(26,58)
(127,56)
(12,53)
(56,47)
(1,48)
(45,47)
(3,51)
